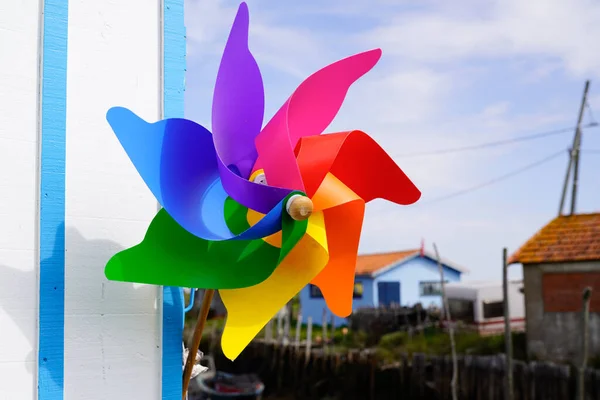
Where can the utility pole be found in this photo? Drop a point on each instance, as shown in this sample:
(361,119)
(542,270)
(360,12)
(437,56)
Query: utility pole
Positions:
(574,158)
(509,393)
(577,148)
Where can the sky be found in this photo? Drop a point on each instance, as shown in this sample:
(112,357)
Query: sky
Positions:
(452,74)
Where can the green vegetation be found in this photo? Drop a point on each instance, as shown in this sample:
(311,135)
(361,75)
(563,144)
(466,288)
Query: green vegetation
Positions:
(436,342)
(391,346)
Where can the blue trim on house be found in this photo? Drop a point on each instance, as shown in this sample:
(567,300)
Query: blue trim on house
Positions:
(174,67)
(398,263)
(53,110)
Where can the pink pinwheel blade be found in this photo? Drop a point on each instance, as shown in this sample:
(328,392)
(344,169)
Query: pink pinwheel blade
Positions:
(308,112)
(238,100)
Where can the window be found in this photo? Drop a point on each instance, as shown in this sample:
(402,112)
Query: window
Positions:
(358,290)
(315,292)
(430,288)
(461,310)
(493,310)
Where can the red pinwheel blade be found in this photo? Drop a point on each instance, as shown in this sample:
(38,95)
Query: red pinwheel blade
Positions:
(308,112)
(359,162)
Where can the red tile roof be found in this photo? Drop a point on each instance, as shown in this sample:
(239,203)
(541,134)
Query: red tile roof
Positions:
(368,264)
(564,239)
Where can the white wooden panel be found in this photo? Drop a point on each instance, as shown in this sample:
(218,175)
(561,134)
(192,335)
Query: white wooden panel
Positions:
(18,193)
(112,330)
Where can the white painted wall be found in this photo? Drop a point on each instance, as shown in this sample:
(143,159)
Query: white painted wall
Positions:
(112,329)
(482,292)
(18,194)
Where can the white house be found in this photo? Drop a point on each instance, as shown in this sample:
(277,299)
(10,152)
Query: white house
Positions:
(385,279)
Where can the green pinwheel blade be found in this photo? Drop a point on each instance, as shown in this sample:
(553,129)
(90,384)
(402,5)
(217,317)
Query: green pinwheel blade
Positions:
(171,256)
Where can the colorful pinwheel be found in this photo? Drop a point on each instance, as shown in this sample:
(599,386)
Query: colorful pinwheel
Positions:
(236,215)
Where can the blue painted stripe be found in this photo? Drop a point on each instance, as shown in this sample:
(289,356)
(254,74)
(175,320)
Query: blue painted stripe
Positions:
(52,201)
(173,92)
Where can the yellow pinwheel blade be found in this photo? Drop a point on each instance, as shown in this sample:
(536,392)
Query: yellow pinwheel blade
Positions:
(249,309)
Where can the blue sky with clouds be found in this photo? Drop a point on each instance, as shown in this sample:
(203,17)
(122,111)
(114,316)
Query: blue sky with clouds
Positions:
(452,74)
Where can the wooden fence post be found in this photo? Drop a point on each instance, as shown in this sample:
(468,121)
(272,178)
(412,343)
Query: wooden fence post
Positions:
(332,325)
(324,330)
(279,326)
(286,325)
(308,339)
(298,329)
(269,331)
(509,393)
(450,327)
(587,294)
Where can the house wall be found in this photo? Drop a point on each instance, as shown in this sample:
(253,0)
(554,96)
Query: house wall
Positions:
(70,199)
(313,307)
(409,274)
(491,293)
(552,335)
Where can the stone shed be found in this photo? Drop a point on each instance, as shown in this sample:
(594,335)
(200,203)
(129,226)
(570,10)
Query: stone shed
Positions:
(559,261)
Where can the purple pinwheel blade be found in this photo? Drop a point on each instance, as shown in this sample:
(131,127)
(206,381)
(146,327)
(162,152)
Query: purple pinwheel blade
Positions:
(238,100)
(177,160)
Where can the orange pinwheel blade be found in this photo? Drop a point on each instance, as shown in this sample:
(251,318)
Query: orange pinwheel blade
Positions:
(359,162)
(344,212)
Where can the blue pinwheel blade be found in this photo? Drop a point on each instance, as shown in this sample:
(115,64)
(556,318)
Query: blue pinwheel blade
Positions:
(177,160)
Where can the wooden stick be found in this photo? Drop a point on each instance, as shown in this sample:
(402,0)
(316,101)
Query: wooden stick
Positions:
(193,350)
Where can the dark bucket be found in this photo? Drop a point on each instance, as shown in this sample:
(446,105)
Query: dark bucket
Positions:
(223,386)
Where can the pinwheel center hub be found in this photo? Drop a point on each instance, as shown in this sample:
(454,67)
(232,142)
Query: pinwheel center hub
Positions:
(299,207)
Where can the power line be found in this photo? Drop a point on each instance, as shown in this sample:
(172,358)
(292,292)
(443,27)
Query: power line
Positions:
(494,180)
(492,144)
(590,112)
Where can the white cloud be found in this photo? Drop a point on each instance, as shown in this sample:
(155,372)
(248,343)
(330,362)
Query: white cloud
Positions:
(563,30)
(594,102)
(540,71)
(406,96)
(273,43)
(207,23)
(294,51)
(496,109)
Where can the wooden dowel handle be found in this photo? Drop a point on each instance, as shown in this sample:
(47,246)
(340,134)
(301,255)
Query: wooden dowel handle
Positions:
(193,350)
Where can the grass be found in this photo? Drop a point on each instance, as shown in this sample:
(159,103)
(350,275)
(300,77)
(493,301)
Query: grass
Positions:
(350,340)
(317,331)
(436,342)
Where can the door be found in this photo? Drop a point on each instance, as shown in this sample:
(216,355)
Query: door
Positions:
(389,293)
